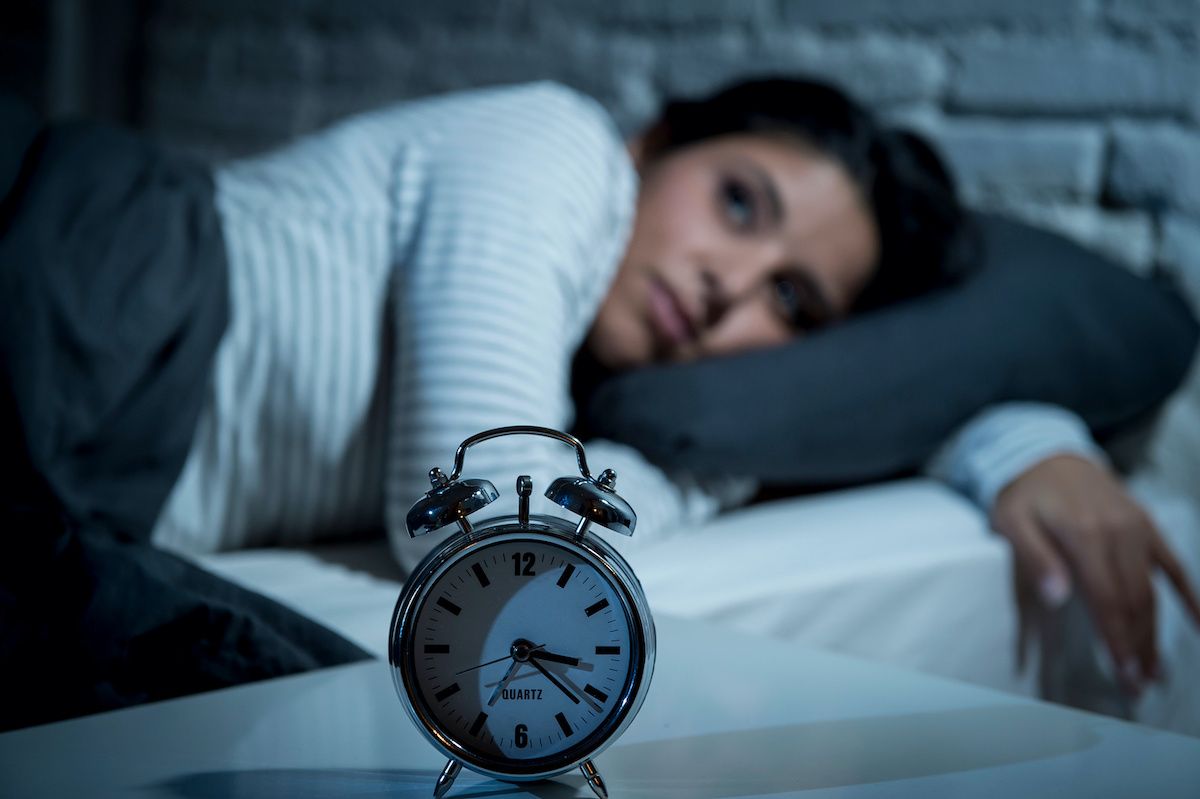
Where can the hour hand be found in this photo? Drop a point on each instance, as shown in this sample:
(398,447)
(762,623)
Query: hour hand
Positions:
(553,658)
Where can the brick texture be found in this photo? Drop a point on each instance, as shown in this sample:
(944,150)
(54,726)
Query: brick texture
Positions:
(1127,237)
(1181,253)
(661,16)
(878,69)
(1079,115)
(1005,159)
(935,14)
(1155,16)
(1072,76)
(1156,166)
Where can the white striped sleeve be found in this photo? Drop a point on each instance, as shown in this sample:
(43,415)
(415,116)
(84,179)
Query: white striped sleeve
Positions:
(1002,442)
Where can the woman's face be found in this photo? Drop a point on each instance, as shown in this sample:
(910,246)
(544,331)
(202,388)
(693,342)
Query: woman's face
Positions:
(739,242)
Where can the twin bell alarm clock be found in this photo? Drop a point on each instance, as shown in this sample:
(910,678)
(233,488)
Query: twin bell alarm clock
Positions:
(522,646)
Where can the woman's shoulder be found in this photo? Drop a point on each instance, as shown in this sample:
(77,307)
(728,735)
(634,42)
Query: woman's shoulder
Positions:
(550,153)
(540,165)
(560,107)
(541,128)
(546,98)
(543,119)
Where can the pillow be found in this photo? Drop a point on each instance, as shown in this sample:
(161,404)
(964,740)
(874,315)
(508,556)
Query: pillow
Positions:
(1040,319)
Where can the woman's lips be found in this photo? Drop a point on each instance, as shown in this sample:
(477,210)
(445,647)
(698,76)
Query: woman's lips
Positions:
(667,315)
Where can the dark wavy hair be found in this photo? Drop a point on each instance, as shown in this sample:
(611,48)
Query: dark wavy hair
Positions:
(926,239)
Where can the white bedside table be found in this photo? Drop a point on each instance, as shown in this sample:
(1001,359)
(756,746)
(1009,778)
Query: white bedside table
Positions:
(727,716)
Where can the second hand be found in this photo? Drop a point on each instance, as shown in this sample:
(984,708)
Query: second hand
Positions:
(481,665)
(497,660)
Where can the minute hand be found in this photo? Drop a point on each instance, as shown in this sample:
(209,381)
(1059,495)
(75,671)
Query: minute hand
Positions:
(500,686)
(554,680)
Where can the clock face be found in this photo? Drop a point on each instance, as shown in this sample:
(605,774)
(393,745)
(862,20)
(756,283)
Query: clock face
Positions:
(523,652)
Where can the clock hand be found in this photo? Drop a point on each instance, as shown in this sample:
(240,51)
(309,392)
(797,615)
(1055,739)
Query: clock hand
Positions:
(508,675)
(554,680)
(481,665)
(588,699)
(497,660)
(553,658)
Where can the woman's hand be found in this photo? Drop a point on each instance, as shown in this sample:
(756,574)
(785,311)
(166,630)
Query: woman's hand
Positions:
(1070,520)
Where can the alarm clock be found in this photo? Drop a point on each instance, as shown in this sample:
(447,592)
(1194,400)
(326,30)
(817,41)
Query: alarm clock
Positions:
(522,646)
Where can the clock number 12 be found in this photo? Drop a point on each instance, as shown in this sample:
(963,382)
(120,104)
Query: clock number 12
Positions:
(523,564)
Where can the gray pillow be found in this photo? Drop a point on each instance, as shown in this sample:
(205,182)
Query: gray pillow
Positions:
(1041,318)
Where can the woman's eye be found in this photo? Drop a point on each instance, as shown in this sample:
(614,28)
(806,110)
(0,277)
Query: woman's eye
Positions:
(737,202)
(793,304)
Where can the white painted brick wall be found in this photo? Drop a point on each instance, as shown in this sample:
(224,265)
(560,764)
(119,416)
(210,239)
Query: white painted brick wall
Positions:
(1075,75)
(1036,160)
(1180,254)
(1156,165)
(1080,115)
(935,15)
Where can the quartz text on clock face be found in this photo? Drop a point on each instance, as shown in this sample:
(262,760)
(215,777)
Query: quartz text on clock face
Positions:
(522,650)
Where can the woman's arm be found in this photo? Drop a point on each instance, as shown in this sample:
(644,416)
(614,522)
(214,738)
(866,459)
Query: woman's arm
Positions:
(510,226)
(1049,491)
(1002,441)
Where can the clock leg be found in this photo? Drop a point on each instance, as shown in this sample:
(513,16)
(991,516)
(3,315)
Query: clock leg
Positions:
(447,778)
(594,779)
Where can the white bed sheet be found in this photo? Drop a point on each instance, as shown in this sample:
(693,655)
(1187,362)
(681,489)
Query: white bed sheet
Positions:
(904,572)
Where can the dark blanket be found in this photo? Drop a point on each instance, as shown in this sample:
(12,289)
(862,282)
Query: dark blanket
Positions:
(113,279)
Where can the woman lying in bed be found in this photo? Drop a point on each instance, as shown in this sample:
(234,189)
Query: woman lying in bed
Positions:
(414,275)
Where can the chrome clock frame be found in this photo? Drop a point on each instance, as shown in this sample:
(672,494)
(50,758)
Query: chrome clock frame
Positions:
(552,531)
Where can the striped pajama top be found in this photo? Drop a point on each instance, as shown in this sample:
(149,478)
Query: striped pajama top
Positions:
(414,275)
(399,282)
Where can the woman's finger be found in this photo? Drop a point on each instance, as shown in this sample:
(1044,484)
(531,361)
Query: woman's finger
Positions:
(1110,607)
(1132,568)
(1038,559)
(1166,561)
(1131,532)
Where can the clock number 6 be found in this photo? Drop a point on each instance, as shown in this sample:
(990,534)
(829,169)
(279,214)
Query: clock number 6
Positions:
(521,736)
(523,564)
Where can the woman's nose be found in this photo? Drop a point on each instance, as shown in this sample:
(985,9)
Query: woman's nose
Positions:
(732,282)
(716,299)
